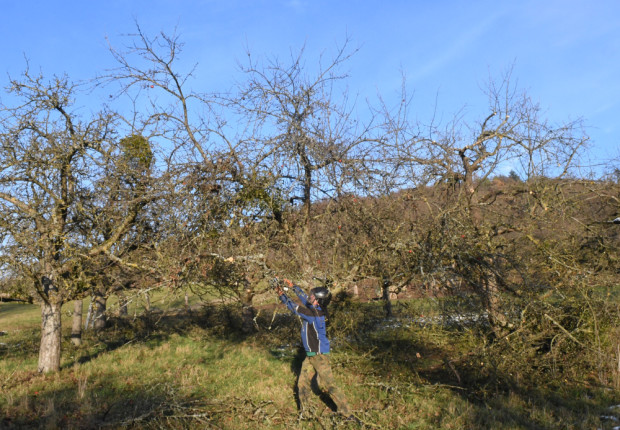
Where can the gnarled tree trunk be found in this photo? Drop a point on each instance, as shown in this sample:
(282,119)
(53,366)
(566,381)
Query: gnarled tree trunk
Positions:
(385,295)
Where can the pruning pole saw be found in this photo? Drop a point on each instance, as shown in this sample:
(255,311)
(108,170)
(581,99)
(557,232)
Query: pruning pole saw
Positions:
(280,285)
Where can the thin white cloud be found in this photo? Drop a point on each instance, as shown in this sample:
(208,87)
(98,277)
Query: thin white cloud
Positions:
(297,5)
(462,44)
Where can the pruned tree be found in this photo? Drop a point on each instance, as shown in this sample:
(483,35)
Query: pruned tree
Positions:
(52,161)
(120,196)
(464,155)
(212,191)
(246,158)
(459,158)
(301,132)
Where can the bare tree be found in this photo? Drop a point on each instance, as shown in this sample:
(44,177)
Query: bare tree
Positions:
(465,155)
(52,160)
(301,133)
(212,192)
(459,158)
(249,156)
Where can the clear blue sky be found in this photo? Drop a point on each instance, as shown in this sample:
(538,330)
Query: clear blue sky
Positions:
(566,53)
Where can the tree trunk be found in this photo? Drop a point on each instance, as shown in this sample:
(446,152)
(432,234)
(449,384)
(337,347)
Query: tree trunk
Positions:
(49,352)
(122,305)
(147,301)
(247,313)
(99,309)
(89,315)
(387,303)
(187,307)
(497,319)
(76,328)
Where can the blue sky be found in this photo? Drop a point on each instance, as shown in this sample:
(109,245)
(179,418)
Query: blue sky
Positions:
(564,53)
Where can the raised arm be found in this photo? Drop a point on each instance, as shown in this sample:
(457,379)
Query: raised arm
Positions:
(301,311)
(302,296)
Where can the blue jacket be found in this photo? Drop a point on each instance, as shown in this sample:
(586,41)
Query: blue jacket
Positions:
(313,333)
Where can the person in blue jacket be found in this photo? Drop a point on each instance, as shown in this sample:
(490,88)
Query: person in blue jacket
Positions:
(313,315)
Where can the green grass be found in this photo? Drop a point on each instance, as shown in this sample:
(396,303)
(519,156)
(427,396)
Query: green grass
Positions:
(199,372)
(17,316)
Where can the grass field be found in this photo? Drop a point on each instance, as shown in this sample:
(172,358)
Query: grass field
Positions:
(196,370)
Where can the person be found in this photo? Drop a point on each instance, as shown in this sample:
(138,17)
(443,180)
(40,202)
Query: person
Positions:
(313,315)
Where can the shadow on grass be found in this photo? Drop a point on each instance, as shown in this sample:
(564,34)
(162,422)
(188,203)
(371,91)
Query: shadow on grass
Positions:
(152,329)
(498,399)
(108,402)
(105,408)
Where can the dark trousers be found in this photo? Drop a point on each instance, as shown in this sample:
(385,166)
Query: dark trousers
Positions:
(320,365)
